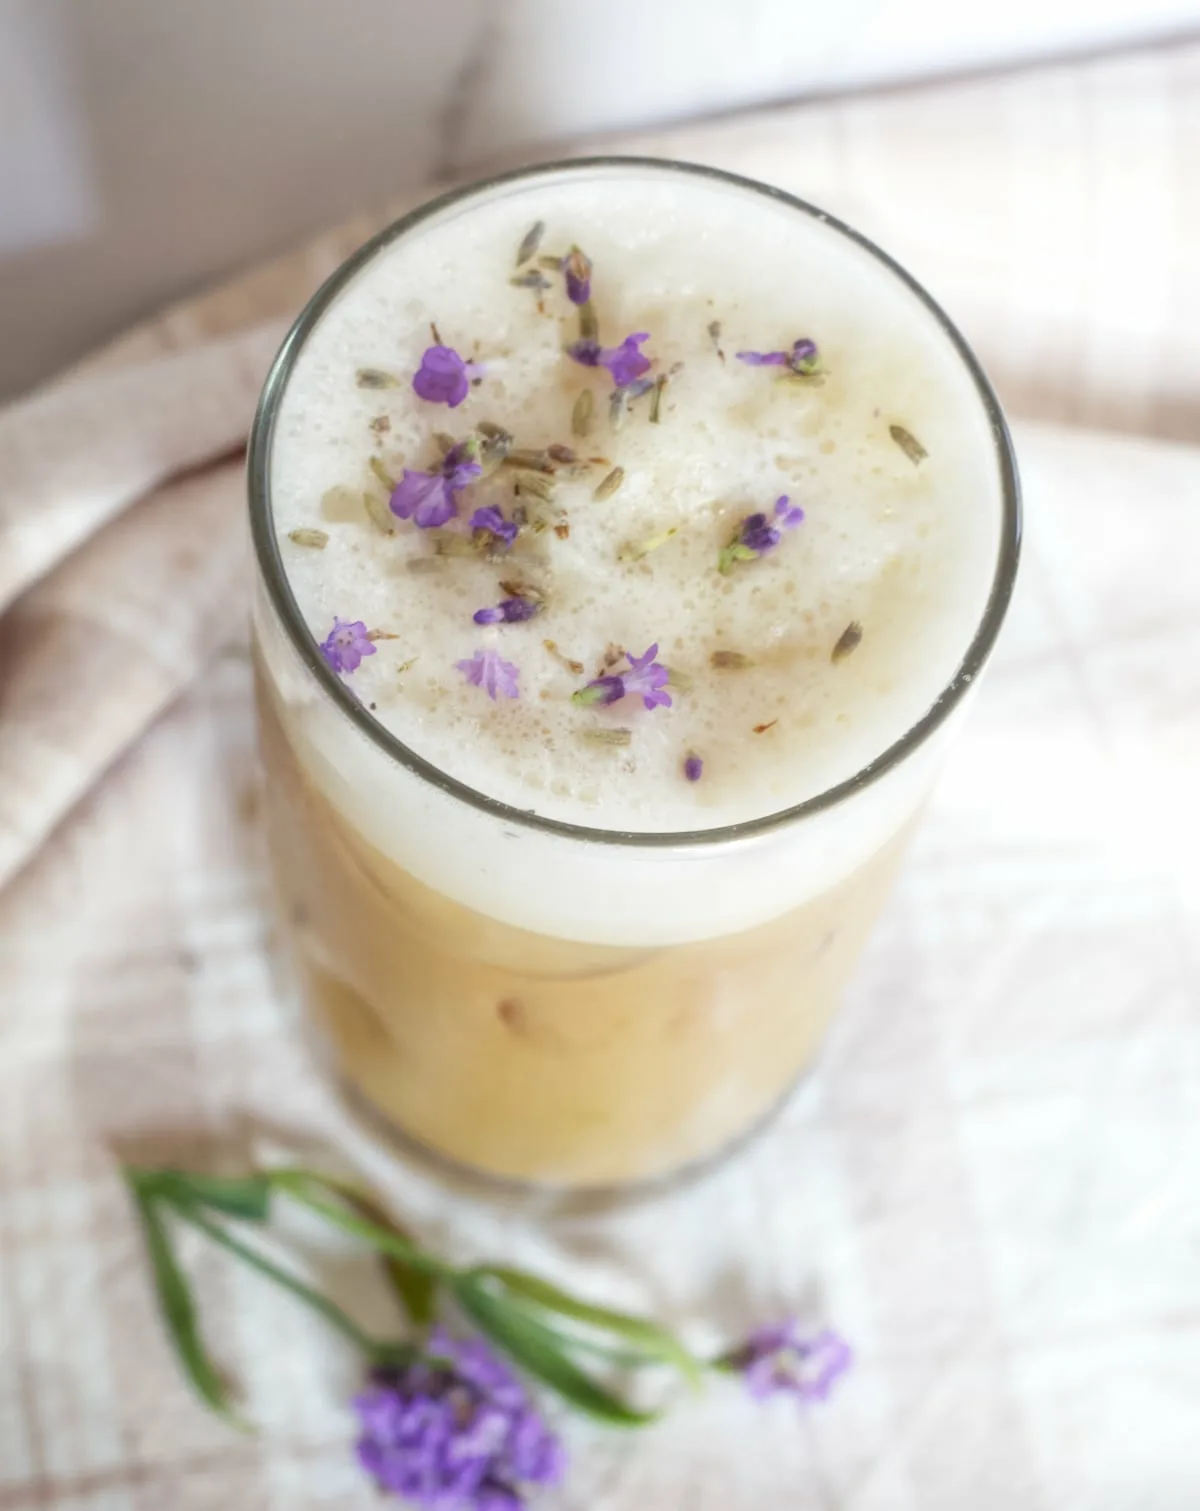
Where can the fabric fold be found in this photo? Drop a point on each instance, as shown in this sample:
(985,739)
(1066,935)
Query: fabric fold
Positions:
(75,454)
(94,653)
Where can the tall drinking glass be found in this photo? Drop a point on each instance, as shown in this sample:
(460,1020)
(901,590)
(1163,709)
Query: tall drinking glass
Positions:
(524,993)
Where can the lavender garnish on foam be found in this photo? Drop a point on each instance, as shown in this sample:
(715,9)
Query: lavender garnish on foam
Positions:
(757,534)
(489,670)
(444,377)
(346,644)
(802,358)
(430,499)
(625,363)
(645,677)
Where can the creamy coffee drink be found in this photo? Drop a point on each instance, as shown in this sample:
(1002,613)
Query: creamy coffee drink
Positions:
(628,535)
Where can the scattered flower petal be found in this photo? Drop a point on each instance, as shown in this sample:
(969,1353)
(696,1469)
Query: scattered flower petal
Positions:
(625,362)
(788,514)
(779,1360)
(493,522)
(647,678)
(508,611)
(430,499)
(488,669)
(346,644)
(693,766)
(444,377)
(455,1431)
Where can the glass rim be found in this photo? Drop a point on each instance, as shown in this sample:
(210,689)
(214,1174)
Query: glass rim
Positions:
(283,601)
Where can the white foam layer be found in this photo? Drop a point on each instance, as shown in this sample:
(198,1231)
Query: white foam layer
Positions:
(908,551)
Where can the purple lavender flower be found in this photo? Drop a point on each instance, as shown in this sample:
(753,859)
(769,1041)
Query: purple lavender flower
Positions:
(803,358)
(577,266)
(508,611)
(646,678)
(693,766)
(779,1360)
(444,377)
(756,535)
(455,1431)
(346,644)
(491,520)
(625,362)
(488,669)
(430,499)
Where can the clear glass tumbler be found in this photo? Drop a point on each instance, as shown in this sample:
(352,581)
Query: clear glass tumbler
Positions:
(614,1048)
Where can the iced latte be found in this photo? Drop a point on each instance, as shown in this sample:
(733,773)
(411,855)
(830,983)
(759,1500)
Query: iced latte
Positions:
(628,537)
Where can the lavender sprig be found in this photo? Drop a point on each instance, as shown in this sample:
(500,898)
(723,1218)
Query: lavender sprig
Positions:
(448,1422)
(444,377)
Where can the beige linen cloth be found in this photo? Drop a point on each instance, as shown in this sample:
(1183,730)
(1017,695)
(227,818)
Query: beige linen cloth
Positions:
(992,1182)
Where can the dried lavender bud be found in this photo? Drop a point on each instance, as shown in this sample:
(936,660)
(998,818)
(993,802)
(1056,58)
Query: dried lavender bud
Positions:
(379,514)
(316,539)
(535,484)
(609,485)
(848,641)
(908,443)
(531,241)
(375,377)
(529,460)
(562,454)
(729,661)
(615,737)
(634,550)
(660,384)
(583,413)
(577,266)
(589,325)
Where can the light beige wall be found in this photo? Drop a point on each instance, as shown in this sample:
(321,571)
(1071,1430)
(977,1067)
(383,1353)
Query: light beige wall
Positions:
(148,144)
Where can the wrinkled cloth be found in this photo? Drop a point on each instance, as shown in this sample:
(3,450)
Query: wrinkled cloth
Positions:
(988,1185)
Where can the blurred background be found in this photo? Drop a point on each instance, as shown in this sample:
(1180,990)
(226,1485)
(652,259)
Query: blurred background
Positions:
(147,145)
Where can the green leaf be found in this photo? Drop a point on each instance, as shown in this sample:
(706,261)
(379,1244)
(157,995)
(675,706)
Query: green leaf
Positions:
(247,1197)
(416,1287)
(639,1333)
(540,1352)
(313,1299)
(390,1240)
(179,1315)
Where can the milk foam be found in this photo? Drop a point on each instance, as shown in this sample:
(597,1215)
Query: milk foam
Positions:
(908,551)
